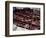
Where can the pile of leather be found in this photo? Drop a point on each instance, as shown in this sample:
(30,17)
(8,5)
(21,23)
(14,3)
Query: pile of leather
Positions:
(27,18)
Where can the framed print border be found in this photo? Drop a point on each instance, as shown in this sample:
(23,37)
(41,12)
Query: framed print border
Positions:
(7,18)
